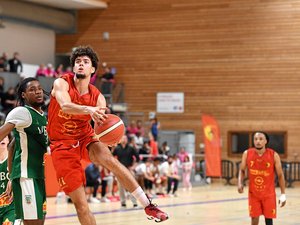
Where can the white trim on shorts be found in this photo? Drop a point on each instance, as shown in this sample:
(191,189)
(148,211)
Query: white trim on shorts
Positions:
(29,206)
(17,222)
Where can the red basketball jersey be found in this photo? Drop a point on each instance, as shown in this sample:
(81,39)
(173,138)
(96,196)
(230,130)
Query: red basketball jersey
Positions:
(63,126)
(261,172)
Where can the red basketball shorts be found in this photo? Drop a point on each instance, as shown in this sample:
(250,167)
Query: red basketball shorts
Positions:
(262,206)
(66,156)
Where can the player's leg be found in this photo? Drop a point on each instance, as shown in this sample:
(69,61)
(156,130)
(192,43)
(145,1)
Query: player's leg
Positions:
(255,209)
(29,200)
(269,209)
(254,220)
(78,197)
(100,154)
(269,221)
(71,178)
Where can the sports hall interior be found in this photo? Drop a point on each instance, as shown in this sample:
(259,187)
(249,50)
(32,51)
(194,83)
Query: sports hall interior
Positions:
(236,60)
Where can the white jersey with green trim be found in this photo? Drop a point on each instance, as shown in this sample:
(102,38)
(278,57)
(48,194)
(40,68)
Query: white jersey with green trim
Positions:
(31,142)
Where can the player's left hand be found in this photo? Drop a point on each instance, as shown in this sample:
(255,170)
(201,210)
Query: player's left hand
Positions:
(8,190)
(282,200)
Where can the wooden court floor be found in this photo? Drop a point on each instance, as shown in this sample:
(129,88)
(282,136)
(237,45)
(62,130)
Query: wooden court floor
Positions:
(204,205)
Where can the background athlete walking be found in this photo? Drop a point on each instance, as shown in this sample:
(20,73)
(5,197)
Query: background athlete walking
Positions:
(261,164)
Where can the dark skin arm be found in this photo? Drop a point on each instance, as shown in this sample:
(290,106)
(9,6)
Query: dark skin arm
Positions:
(5,130)
(11,149)
(242,172)
(280,175)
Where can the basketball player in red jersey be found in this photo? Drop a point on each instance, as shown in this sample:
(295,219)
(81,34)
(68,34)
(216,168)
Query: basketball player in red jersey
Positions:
(262,163)
(74,102)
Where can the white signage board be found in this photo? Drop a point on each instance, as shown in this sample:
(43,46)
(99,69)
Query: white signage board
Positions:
(170,102)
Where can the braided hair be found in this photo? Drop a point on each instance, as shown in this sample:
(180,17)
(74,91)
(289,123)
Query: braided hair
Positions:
(22,88)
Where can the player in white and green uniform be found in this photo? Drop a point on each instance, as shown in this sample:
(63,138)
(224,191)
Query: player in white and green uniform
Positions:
(28,124)
(7,209)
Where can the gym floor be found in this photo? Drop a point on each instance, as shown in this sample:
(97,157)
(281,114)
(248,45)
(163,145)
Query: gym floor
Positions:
(204,205)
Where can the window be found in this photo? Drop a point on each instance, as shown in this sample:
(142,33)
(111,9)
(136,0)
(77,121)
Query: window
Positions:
(239,141)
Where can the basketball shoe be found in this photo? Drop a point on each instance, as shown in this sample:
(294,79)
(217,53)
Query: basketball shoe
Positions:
(153,212)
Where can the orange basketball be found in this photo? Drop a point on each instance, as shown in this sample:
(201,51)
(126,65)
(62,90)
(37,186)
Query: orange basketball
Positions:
(111,131)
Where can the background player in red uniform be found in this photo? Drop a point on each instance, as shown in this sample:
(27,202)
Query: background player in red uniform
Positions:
(262,163)
(74,102)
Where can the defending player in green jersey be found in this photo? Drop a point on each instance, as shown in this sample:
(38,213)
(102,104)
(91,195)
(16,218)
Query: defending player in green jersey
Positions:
(26,160)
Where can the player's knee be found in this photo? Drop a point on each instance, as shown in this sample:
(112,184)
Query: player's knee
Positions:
(254,220)
(102,157)
(109,161)
(82,209)
(95,153)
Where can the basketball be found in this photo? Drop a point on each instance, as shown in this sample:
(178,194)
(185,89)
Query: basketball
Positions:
(111,131)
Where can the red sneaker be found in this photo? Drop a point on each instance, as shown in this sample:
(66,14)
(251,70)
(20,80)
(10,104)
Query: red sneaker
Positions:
(155,213)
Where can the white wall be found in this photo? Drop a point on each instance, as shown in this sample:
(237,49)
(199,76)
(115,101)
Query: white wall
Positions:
(29,70)
(35,45)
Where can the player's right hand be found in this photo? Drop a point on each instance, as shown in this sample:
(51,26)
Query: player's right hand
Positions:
(241,189)
(98,115)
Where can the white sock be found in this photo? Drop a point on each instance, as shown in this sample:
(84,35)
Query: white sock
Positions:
(140,195)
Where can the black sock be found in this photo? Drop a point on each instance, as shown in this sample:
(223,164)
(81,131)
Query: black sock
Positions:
(269,221)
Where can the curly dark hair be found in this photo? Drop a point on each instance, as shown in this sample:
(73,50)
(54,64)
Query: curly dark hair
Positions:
(85,51)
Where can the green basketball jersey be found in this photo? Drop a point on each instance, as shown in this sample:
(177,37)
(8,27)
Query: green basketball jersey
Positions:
(31,142)
(5,203)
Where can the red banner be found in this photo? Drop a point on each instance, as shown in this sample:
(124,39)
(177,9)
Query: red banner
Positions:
(212,141)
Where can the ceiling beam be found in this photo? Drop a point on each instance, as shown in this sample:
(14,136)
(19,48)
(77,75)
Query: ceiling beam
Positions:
(72,4)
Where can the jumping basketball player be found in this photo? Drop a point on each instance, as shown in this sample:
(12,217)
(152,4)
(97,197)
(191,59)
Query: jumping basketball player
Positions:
(74,102)
(262,163)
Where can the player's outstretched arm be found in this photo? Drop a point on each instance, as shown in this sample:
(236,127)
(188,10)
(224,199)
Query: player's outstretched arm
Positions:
(5,130)
(60,92)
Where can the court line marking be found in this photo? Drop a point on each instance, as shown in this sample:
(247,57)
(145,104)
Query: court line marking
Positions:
(161,206)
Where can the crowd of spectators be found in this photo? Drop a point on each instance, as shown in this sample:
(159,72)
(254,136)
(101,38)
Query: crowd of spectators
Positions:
(159,169)
(158,172)
(104,80)
(13,64)
(49,71)
(8,100)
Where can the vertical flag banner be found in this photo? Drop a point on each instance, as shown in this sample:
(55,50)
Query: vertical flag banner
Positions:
(212,141)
